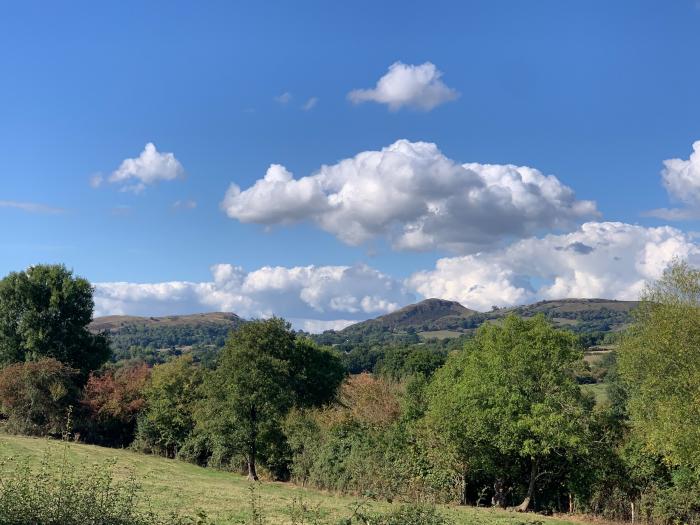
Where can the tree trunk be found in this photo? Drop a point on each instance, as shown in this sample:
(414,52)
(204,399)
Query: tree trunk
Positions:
(530,489)
(252,474)
(252,444)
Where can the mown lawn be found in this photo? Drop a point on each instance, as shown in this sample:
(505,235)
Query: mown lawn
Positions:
(171,485)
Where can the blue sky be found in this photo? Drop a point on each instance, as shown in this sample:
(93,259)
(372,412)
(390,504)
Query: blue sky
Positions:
(597,94)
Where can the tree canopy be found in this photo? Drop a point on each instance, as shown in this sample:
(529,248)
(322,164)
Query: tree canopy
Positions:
(44,313)
(511,396)
(263,371)
(659,363)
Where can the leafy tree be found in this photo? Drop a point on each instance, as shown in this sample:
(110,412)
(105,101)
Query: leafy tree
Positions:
(35,396)
(44,312)
(401,362)
(660,365)
(264,371)
(171,395)
(510,399)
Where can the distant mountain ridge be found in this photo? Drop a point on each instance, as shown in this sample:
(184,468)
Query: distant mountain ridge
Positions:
(428,319)
(113,323)
(165,336)
(449,318)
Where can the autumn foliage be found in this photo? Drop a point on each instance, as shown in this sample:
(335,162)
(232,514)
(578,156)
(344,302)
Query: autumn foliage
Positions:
(111,403)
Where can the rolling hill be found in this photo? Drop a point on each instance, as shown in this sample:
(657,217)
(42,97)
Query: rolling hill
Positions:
(437,316)
(164,336)
(156,339)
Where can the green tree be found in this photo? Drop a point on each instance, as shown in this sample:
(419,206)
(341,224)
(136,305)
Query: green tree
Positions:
(44,313)
(659,362)
(509,397)
(168,420)
(264,371)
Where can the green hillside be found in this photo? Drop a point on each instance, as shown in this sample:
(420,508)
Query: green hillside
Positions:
(158,338)
(434,323)
(223,496)
(439,318)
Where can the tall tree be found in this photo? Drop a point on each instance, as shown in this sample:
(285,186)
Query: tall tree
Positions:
(263,371)
(171,395)
(659,362)
(44,313)
(511,394)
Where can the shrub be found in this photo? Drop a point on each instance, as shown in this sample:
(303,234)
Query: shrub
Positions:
(113,401)
(414,514)
(35,396)
(58,493)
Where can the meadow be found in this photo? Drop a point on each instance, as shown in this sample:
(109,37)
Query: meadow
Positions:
(224,497)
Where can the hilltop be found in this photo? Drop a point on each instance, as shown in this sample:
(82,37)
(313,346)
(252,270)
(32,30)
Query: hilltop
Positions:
(435,312)
(440,318)
(115,323)
(157,338)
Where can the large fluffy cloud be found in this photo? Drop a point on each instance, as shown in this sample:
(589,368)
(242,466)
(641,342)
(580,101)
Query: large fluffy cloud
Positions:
(148,168)
(313,297)
(419,87)
(414,195)
(601,259)
(681,178)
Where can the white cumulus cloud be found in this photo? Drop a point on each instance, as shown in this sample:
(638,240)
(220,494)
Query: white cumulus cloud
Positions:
(412,194)
(419,87)
(149,167)
(312,297)
(681,178)
(601,259)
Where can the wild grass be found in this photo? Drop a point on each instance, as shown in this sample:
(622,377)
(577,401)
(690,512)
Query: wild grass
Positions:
(165,489)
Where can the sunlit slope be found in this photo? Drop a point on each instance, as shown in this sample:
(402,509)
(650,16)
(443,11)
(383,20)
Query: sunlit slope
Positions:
(223,496)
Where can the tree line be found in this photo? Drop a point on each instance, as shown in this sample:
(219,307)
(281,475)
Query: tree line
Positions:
(499,421)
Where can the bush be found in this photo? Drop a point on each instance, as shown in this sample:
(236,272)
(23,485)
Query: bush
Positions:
(413,515)
(113,401)
(35,396)
(58,493)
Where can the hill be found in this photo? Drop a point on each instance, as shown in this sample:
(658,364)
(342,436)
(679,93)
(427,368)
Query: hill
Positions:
(433,312)
(439,318)
(223,496)
(115,323)
(156,338)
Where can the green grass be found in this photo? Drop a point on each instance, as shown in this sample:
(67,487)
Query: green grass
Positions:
(175,485)
(440,334)
(600,391)
(595,356)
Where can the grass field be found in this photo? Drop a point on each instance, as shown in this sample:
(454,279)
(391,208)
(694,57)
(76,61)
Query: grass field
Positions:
(171,484)
(440,334)
(600,391)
